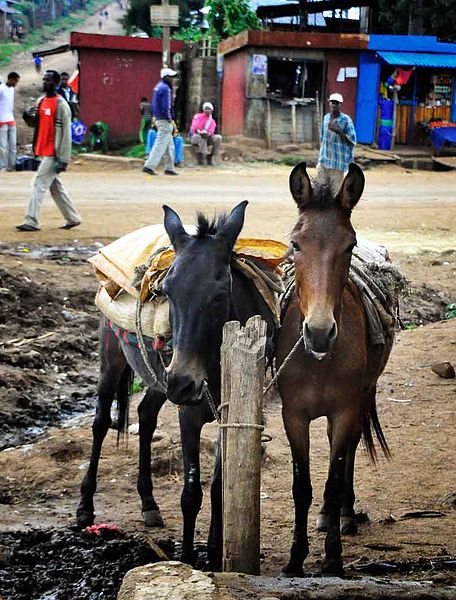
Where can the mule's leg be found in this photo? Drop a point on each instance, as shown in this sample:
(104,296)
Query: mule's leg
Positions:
(322,517)
(148,410)
(191,422)
(297,428)
(345,430)
(348,525)
(114,370)
(215,540)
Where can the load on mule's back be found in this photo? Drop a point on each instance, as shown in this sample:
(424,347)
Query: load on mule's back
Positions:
(334,369)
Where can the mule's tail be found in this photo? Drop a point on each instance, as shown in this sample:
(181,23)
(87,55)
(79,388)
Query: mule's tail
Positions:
(123,397)
(370,424)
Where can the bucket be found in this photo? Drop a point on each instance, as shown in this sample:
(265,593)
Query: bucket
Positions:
(386,109)
(385,137)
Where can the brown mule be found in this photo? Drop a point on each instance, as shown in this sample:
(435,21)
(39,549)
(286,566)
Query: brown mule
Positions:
(334,371)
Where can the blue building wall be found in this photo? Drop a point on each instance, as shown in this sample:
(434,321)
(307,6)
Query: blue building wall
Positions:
(367,97)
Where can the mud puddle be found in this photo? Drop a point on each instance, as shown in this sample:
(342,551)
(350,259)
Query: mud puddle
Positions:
(58,253)
(63,564)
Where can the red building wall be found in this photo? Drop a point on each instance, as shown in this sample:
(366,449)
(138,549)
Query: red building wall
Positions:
(233,93)
(114,73)
(349,87)
(111,84)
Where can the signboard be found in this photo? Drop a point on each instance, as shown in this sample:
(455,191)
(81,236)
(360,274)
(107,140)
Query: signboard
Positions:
(164,15)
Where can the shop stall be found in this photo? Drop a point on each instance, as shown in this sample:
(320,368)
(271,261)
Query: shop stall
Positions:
(412,79)
(275,84)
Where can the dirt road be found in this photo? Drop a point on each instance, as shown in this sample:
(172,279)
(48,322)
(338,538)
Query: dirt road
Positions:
(414,214)
(408,211)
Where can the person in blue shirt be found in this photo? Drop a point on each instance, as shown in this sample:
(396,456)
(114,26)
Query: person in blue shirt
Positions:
(337,148)
(38,64)
(162,111)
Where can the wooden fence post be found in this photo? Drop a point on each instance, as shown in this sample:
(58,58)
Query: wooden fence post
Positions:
(268,124)
(243,356)
(293,124)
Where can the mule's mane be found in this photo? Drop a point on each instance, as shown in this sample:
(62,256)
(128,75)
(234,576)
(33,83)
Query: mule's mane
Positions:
(206,226)
(322,199)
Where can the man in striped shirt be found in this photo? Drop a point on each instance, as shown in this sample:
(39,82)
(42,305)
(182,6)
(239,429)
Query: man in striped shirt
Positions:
(338,139)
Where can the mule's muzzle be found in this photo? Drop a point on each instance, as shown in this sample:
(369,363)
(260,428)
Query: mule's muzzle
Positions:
(182,389)
(318,340)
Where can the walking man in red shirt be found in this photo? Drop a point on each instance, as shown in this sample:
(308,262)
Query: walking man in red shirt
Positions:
(52,143)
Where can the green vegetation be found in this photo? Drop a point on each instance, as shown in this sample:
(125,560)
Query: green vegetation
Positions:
(229,17)
(137,151)
(36,37)
(189,34)
(137,386)
(450,312)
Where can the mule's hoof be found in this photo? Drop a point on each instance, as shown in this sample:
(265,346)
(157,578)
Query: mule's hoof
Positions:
(188,558)
(291,571)
(214,565)
(321,523)
(153,518)
(333,567)
(348,526)
(84,518)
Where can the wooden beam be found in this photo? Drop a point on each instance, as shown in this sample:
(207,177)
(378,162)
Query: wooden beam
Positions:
(293,123)
(293,39)
(268,124)
(243,355)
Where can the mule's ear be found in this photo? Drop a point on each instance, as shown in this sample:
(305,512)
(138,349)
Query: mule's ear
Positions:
(234,223)
(174,227)
(300,186)
(352,187)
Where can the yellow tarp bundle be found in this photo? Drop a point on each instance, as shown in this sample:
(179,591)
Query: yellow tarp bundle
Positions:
(115,263)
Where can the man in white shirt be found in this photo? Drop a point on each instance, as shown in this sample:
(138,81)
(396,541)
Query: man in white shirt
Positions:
(7,123)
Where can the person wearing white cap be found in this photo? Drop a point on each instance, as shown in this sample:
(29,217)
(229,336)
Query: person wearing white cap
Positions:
(203,136)
(162,110)
(338,140)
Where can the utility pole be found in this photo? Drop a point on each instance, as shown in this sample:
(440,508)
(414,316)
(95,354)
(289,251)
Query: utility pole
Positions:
(166,34)
(165,15)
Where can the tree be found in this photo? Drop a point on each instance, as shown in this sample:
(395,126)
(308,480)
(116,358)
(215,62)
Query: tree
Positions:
(138,15)
(428,17)
(228,17)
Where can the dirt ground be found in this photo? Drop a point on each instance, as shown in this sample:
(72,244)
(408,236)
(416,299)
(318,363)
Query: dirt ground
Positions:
(413,214)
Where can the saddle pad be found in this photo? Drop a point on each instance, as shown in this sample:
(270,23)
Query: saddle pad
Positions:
(115,264)
(122,311)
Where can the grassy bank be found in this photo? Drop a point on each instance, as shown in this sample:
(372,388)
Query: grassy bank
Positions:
(37,37)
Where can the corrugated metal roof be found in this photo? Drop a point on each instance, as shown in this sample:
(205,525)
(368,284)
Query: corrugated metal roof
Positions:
(410,43)
(419,59)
